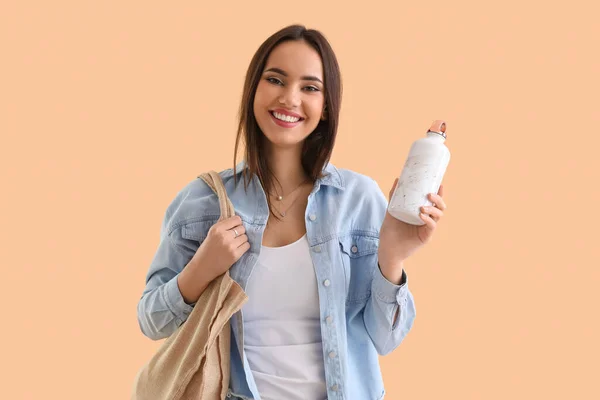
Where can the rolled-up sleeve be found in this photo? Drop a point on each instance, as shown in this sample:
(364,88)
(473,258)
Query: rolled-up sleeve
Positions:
(162,309)
(385,301)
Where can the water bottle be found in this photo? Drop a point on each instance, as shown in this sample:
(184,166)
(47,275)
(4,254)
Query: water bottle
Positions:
(422,174)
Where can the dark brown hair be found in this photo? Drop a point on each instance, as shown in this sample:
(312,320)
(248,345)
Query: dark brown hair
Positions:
(318,146)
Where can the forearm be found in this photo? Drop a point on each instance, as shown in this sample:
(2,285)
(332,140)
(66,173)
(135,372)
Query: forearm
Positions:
(395,275)
(192,282)
(162,309)
(389,312)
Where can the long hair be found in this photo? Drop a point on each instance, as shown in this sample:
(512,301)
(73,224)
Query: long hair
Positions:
(318,146)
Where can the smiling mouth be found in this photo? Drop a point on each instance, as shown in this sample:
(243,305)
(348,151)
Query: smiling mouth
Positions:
(285,118)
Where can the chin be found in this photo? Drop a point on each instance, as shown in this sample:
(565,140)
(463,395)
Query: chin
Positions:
(283,139)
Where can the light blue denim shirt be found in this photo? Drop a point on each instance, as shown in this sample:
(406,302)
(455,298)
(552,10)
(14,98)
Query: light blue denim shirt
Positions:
(357,303)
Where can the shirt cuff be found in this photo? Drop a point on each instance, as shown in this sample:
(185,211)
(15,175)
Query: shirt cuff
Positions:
(175,300)
(388,292)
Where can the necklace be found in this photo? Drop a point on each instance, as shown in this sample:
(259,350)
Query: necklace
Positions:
(280,199)
(284,213)
(280,196)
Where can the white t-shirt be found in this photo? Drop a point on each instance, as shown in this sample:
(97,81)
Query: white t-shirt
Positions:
(282,329)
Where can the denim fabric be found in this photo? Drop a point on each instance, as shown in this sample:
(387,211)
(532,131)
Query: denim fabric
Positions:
(357,304)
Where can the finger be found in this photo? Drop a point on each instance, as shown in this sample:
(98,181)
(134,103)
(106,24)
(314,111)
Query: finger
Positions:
(229,223)
(238,241)
(239,229)
(232,234)
(392,190)
(428,221)
(241,250)
(441,191)
(437,201)
(435,213)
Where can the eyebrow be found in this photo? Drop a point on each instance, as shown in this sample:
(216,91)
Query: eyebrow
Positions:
(305,78)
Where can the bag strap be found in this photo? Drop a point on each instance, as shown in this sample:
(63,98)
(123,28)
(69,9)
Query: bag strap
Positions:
(214,181)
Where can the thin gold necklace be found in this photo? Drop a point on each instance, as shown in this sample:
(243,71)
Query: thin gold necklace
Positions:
(280,196)
(280,199)
(284,213)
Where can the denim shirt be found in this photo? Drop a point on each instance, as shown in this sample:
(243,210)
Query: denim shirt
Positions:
(357,303)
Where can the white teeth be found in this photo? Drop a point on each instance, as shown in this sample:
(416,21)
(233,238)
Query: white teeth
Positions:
(285,118)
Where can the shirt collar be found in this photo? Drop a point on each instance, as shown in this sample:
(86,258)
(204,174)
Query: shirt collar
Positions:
(332,176)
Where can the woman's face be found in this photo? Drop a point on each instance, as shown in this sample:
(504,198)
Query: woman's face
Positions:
(290,95)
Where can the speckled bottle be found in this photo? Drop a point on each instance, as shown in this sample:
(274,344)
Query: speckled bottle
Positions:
(422,174)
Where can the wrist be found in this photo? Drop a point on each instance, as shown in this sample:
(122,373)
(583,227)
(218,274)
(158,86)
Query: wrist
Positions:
(393,272)
(192,281)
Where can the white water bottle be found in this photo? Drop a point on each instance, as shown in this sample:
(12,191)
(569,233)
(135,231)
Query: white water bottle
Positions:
(422,174)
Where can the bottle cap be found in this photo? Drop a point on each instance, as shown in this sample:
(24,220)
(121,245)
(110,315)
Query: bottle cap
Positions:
(438,127)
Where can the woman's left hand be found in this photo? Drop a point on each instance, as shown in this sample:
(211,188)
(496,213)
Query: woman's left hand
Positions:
(399,240)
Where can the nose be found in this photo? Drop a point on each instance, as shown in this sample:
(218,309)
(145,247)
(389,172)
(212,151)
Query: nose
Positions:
(289,97)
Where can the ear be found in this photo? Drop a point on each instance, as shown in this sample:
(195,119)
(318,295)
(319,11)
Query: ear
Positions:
(324,114)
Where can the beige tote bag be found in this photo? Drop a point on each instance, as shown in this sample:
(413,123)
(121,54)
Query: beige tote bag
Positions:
(193,363)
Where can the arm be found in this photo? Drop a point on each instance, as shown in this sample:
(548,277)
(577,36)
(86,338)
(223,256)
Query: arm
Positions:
(397,241)
(162,308)
(389,312)
(182,268)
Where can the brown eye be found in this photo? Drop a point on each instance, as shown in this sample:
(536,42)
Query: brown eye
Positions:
(274,81)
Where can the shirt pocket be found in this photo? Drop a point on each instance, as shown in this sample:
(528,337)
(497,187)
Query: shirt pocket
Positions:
(196,231)
(359,257)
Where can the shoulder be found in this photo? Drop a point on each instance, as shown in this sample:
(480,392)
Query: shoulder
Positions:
(194,202)
(354,181)
(359,186)
(361,202)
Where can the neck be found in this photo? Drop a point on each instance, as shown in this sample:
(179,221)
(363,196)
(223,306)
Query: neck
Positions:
(287,168)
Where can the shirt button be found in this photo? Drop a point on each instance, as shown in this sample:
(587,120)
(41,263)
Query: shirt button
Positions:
(334,388)
(318,249)
(326,282)
(329,319)
(312,217)
(332,354)
(354,249)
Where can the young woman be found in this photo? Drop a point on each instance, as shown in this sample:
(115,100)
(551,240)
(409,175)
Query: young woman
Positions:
(312,245)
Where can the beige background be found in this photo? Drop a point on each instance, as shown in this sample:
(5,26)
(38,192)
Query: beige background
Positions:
(109,108)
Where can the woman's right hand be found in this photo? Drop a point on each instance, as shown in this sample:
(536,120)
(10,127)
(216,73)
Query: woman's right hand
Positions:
(225,243)
(217,253)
